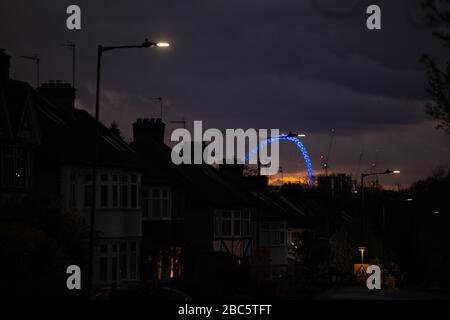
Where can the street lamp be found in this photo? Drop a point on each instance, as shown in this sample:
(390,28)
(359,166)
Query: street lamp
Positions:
(361,251)
(100,50)
(294,134)
(363,175)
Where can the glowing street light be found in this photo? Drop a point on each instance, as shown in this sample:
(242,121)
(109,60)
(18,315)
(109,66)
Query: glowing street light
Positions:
(363,175)
(295,134)
(100,50)
(362,250)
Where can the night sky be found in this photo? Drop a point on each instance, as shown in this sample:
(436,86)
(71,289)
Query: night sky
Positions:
(305,66)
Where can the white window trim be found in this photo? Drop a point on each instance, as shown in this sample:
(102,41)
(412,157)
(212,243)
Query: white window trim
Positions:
(110,184)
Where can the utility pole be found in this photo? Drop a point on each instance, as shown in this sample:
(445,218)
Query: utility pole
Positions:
(327,157)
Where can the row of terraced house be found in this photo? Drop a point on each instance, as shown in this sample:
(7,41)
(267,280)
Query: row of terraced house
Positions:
(155,221)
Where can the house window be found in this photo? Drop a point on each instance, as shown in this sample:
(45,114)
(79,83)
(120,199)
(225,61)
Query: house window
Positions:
(15,167)
(273,234)
(134,191)
(156,203)
(73,189)
(114,260)
(123,261)
(113,190)
(246,224)
(133,260)
(103,263)
(118,261)
(124,192)
(167,264)
(87,195)
(229,223)
(226,223)
(104,190)
(237,223)
(104,195)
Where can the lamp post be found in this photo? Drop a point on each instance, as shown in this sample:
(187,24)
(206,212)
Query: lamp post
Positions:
(100,50)
(258,186)
(363,175)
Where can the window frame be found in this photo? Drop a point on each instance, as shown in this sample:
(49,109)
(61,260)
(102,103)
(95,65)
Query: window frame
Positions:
(233,218)
(149,199)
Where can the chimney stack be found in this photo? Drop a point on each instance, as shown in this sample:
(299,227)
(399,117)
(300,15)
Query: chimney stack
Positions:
(4,68)
(148,129)
(61,94)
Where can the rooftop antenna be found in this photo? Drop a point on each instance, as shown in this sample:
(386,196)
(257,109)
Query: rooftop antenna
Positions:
(72,46)
(37,60)
(160,99)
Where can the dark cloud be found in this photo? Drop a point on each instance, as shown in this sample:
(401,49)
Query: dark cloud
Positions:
(297,65)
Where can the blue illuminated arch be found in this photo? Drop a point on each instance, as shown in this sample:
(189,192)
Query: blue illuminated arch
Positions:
(300,146)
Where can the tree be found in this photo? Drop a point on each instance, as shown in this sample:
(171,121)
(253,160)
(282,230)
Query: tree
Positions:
(114,129)
(438,14)
(38,241)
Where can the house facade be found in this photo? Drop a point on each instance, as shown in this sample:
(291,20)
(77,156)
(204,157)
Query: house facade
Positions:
(46,148)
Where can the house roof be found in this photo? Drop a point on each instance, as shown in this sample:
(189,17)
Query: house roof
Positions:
(205,184)
(66,138)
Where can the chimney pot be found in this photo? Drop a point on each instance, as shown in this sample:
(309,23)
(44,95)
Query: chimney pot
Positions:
(148,129)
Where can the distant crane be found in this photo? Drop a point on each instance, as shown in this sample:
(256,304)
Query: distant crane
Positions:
(358,168)
(37,60)
(375,166)
(326,159)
